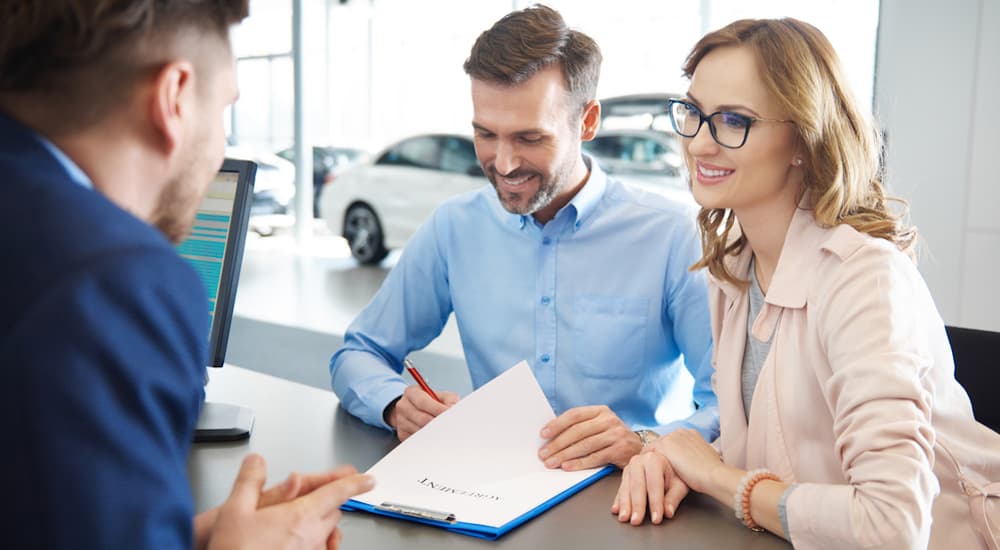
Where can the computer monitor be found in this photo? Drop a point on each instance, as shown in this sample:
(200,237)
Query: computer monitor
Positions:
(215,249)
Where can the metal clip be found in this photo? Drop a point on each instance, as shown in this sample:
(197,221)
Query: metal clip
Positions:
(414,511)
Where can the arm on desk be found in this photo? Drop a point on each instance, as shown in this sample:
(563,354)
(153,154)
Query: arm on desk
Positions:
(407,313)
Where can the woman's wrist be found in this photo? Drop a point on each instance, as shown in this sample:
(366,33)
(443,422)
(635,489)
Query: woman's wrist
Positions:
(722,482)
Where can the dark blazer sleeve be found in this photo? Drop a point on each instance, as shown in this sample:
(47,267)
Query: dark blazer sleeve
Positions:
(111,367)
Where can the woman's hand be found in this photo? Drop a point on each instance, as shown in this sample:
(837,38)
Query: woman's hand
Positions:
(648,480)
(692,459)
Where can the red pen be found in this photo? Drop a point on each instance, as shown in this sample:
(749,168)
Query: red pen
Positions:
(420,380)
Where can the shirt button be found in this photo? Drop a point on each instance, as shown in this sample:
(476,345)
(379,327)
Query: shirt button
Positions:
(546,240)
(546,300)
(545,358)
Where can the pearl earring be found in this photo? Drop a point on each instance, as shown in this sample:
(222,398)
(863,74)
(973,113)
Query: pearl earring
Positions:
(798,162)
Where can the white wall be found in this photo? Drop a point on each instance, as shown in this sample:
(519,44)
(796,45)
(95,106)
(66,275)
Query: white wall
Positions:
(936,83)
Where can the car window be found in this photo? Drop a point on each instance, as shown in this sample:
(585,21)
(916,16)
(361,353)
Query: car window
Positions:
(605,146)
(458,155)
(421,152)
(645,150)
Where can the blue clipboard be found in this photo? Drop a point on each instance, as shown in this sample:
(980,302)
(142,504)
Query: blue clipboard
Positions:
(451,522)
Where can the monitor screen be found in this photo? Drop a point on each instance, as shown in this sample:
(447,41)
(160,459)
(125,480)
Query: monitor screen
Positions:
(215,247)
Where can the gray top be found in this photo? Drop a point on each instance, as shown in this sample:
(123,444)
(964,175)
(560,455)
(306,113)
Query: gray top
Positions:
(755,351)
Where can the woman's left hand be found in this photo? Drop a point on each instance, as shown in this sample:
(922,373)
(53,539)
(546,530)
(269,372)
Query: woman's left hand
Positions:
(692,459)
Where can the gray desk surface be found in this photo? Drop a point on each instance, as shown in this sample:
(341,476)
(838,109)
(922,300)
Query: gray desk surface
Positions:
(300,428)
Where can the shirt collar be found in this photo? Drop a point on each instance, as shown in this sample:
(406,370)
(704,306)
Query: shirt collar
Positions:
(806,241)
(74,171)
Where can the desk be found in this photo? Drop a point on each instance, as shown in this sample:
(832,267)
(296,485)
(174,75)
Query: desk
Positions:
(304,429)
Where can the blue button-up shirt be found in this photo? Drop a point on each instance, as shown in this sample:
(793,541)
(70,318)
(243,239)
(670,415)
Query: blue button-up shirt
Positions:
(599,301)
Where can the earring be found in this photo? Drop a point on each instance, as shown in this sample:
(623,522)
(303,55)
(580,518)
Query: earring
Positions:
(798,162)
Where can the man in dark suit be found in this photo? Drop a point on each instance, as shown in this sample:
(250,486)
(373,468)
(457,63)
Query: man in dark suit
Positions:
(110,131)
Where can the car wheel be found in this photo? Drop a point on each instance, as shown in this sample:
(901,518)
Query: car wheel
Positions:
(364,234)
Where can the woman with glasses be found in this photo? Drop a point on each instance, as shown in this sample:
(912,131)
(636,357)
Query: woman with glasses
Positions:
(842,425)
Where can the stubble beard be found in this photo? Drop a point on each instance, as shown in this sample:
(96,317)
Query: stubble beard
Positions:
(178,202)
(546,192)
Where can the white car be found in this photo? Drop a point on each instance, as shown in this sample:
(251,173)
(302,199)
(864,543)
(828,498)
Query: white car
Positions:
(378,205)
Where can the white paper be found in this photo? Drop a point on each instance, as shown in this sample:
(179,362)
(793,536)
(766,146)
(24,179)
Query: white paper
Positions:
(479,459)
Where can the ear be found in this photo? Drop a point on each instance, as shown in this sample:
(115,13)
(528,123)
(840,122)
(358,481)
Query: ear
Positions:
(171,103)
(591,120)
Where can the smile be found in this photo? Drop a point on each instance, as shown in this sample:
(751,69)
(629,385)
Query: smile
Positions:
(713,172)
(514,182)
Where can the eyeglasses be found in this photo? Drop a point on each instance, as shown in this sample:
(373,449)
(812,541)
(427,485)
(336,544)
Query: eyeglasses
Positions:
(728,129)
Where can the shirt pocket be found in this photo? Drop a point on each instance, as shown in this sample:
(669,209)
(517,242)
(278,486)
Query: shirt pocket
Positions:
(609,335)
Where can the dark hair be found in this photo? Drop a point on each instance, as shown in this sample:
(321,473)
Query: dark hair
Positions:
(81,52)
(524,42)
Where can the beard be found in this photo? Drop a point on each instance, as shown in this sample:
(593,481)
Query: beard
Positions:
(518,202)
(178,203)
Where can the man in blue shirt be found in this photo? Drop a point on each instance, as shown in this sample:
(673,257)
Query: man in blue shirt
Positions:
(111,129)
(557,264)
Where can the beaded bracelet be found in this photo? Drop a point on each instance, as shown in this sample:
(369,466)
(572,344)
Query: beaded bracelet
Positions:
(741,499)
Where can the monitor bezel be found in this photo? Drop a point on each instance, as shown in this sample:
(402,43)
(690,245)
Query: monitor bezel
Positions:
(232,259)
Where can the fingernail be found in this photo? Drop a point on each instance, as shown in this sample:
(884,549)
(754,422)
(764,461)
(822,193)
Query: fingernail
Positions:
(655,517)
(635,517)
(543,453)
(622,515)
(545,433)
(551,463)
(670,511)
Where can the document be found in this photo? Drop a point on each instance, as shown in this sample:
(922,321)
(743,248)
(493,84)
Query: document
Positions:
(475,468)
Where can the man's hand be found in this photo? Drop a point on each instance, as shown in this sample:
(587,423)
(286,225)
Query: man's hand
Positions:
(306,521)
(648,474)
(294,486)
(587,437)
(415,409)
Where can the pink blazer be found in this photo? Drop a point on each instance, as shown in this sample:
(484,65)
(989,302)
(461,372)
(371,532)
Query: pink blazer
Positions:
(857,399)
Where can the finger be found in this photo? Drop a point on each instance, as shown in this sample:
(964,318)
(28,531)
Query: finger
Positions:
(569,418)
(676,491)
(656,472)
(282,492)
(248,484)
(405,428)
(311,482)
(333,542)
(409,408)
(637,495)
(423,402)
(567,445)
(330,497)
(621,506)
(449,397)
(589,452)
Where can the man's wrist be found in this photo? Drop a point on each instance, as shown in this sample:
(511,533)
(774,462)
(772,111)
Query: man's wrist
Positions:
(647,437)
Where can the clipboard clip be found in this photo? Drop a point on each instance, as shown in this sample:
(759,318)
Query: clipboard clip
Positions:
(417,512)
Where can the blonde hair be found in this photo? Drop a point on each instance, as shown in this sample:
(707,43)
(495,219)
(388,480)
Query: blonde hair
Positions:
(841,147)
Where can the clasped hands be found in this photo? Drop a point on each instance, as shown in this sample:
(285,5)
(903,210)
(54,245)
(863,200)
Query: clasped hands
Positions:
(661,475)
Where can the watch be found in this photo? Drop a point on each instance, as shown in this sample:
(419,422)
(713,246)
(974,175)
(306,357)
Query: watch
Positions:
(647,436)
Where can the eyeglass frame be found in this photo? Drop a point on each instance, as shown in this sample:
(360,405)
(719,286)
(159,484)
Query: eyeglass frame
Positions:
(703,118)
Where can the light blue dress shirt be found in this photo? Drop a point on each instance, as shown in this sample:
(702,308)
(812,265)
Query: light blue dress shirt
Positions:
(599,301)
